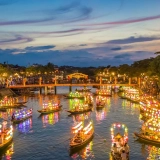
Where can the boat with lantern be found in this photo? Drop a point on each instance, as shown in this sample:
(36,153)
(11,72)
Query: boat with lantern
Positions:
(104,92)
(100,102)
(80,108)
(85,89)
(88,99)
(73,95)
(21,115)
(50,108)
(83,136)
(11,102)
(119,141)
(6,135)
(150,132)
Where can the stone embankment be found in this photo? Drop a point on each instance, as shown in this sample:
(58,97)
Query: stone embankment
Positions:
(7,92)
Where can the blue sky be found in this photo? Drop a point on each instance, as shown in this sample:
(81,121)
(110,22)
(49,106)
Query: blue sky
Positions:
(78,32)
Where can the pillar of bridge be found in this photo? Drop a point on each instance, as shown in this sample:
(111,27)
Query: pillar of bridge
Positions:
(110,79)
(129,81)
(115,80)
(7,83)
(40,90)
(45,90)
(70,88)
(55,89)
(139,81)
(40,80)
(100,80)
(24,81)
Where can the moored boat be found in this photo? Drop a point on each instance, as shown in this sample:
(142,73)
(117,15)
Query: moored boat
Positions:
(85,89)
(80,110)
(6,135)
(83,136)
(50,108)
(21,115)
(100,102)
(150,131)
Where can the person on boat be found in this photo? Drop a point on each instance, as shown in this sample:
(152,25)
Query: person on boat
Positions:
(115,149)
(13,116)
(126,148)
(123,155)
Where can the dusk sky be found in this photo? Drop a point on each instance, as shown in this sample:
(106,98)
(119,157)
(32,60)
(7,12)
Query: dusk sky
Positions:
(78,32)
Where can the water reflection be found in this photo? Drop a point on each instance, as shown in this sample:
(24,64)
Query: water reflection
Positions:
(24,127)
(51,118)
(7,153)
(101,114)
(81,117)
(85,153)
(130,107)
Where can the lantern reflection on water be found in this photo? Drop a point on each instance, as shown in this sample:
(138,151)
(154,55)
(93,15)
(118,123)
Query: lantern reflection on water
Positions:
(51,118)
(101,114)
(7,152)
(130,107)
(81,117)
(85,153)
(25,126)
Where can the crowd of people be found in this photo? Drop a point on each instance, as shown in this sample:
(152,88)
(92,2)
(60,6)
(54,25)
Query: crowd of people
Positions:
(120,149)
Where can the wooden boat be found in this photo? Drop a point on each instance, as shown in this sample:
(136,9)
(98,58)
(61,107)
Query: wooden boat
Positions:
(79,140)
(6,143)
(47,110)
(20,120)
(6,135)
(80,111)
(83,90)
(147,139)
(73,97)
(100,106)
(2,109)
(119,142)
(22,117)
(21,103)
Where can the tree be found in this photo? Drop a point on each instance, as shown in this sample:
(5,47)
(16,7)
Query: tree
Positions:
(155,66)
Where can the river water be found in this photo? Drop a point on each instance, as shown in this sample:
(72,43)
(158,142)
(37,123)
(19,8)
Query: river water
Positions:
(47,137)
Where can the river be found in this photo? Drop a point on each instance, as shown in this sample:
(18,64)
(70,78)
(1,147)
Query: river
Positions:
(47,137)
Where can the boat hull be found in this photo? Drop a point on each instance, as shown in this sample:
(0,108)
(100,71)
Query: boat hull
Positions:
(79,112)
(47,112)
(141,137)
(77,146)
(69,97)
(21,120)
(3,146)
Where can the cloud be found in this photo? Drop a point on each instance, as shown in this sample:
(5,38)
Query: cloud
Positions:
(22,22)
(122,22)
(132,40)
(31,48)
(78,58)
(58,15)
(123,56)
(83,45)
(16,39)
(116,48)
(67,8)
